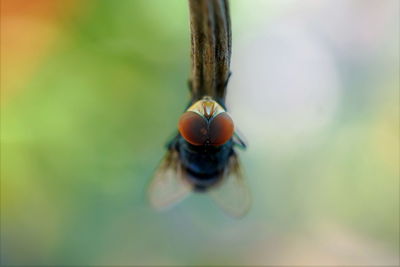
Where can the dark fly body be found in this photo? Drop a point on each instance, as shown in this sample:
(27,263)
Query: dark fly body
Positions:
(204,165)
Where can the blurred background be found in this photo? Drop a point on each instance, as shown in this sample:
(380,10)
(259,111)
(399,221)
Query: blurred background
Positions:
(92,90)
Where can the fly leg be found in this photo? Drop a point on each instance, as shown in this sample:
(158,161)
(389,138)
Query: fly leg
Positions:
(221,98)
(238,141)
(173,143)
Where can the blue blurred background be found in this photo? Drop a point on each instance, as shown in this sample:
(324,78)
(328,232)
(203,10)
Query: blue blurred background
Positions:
(92,90)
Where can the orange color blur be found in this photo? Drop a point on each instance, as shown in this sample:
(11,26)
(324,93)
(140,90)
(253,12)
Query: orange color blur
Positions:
(28,32)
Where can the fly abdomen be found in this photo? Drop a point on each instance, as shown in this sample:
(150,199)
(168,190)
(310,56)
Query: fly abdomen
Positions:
(204,165)
(203,181)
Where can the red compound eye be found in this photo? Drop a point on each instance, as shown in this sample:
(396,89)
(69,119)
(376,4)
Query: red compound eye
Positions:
(220,129)
(193,128)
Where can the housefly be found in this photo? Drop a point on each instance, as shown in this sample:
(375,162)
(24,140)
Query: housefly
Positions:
(202,158)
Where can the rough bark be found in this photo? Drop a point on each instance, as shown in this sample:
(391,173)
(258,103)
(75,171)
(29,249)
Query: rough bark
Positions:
(210,48)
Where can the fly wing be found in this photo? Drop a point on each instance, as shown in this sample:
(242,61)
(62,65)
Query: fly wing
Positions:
(232,195)
(168,186)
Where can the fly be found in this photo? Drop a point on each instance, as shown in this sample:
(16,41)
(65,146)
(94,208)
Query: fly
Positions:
(202,158)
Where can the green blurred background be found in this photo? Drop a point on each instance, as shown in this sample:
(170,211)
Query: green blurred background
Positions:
(92,90)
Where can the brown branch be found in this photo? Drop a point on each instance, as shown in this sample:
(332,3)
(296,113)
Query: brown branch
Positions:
(211,48)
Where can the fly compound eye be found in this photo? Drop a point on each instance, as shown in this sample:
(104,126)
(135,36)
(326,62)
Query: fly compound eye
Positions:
(193,128)
(220,129)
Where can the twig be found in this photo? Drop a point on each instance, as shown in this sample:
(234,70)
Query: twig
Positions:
(211,48)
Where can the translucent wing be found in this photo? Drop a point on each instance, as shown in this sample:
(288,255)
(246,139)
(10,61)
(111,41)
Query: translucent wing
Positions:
(168,186)
(232,194)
